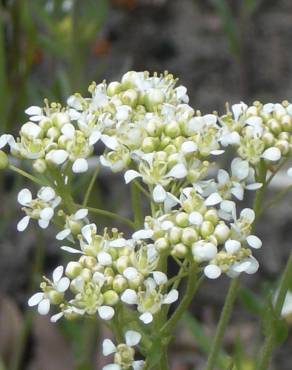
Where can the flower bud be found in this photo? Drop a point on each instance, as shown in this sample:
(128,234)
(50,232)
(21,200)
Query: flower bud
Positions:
(179,250)
(170,149)
(4,162)
(149,144)
(119,283)
(89,262)
(286,123)
(73,269)
(136,282)
(283,145)
(114,88)
(274,126)
(284,136)
(86,274)
(221,233)
(268,139)
(130,97)
(175,235)
(154,127)
(40,165)
(212,216)
(172,129)
(189,236)
(161,244)
(110,298)
(206,229)
(182,219)
(122,263)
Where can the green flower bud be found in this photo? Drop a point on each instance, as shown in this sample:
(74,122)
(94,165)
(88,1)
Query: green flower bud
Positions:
(212,216)
(179,250)
(182,219)
(88,261)
(75,226)
(154,127)
(286,123)
(175,235)
(221,233)
(148,145)
(114,88)
(274,126)
(40,165)
(122,263)
(189,236)
(283,145)
(130,97)
(284,136)
(161,244)
(4,162)
(120,283)
(170,149)
(268,139)
(108,271)
(73,269)
(172,129)
(206,229)
(86,274)
(135,283)
(110,298)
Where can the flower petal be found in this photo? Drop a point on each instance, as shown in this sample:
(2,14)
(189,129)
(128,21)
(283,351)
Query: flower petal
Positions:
(23,223)
(34,110)
(132,338)
(108,347)
(47,213)
(63,234)
(57,156)
(232,246)
(131,175)
(71,250)
(24,197)
(57,274)
(254,242)
(178,171)
(35,299)
(146,317)
(272,154)
(80,165)
(81,213)
(129,296)
(212,271)
(159,277)
(46,193)
(213,199)
(44,307)
(159,194)
(63,284)
(143,234)
(171,297)
(106,312)
(130,273)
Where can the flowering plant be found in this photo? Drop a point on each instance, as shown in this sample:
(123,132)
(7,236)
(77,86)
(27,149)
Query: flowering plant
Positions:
(167,152)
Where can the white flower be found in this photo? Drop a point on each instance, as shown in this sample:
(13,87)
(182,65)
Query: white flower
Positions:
(272,154)
(72,222)
(212,271)
(42,299)
(125,352)
(41,208)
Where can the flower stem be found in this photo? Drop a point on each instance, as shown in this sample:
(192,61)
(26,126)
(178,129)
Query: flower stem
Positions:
(115,216)
(26,174)
(192,286)
(90,186)
(224,318)
(136,206)
(269,343)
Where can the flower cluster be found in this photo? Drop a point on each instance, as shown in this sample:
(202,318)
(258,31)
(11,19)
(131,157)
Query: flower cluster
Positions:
(147,129)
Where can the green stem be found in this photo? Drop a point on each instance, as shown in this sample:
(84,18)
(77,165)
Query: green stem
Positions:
(136,206)
(269,344)
(192,286)
(224,318)
(140,187)
(90,187)
(163,365)
(109,214)
(26,174)
(257,205)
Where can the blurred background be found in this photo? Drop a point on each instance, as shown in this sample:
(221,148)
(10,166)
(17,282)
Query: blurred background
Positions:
(222,51)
